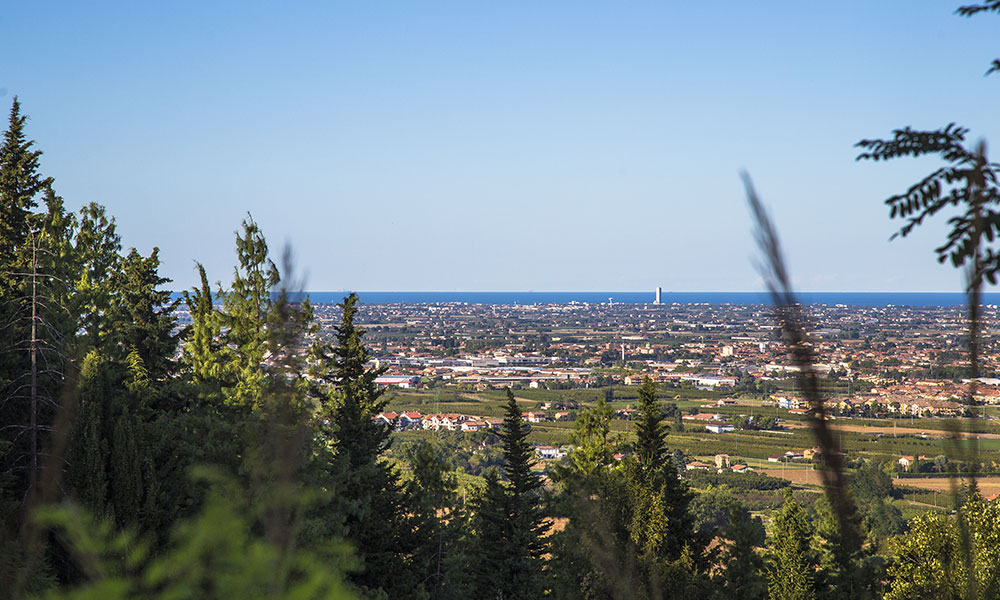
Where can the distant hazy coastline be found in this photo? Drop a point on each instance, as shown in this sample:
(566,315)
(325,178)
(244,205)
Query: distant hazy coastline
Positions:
(743,298)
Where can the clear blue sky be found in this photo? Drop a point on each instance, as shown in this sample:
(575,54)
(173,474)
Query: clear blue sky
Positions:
(502,146)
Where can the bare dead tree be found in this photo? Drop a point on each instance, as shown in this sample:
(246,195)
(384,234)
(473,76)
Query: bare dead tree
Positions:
(44,345)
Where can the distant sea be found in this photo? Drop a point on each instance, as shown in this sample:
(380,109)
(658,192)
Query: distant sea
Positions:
(741,298)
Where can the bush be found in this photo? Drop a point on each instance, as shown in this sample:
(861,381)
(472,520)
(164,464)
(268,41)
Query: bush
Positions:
(741,481)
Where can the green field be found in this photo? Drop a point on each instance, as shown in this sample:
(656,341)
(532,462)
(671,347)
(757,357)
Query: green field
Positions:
(905,439)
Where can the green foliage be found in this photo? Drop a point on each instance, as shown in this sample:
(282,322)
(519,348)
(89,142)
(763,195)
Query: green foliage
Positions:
(974,9)
(439,521)
(744,569)
(936,559)
(650,448)
(20,185)
(509,524)
(592,448)
(247,304)
(968,181)
(871,482)
(213,555)
(203,351)
(791,565)
(96,247)
(741,481)
(143,316)
(368,494)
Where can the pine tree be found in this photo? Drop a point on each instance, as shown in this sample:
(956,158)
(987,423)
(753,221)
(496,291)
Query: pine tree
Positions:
(33,330)
(143,315)
(97,248)
(744,567)
(659,524)
(368,493)
(510,525)
(438,521)
(791,571)
(20,184)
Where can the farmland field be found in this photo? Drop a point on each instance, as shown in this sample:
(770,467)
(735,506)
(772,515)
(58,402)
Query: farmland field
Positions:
(988,486)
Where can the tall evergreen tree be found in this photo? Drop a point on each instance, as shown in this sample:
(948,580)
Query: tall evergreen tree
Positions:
(367,490)
(97,247)
(33,330)
(744,575)
(650,447)
(202,350)
(791,573)
(660,524)
(510,523)
(247,304)
(143,315)
(20,185)
(439,521)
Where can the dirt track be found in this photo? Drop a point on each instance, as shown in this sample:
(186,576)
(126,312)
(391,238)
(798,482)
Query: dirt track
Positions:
(887,431)
(988,486)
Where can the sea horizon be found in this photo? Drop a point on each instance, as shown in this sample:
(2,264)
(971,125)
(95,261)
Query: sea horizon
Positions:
(521,298)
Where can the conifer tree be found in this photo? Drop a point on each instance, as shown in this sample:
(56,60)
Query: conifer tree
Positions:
(247,304)
(744,567)
(20,185)
(791,570)
(97,247)
(510,523)
(33,329)
(143,315)
(89,449)
(202,351)
(367,491)
(650,447)
(438,520)
(127,487)
(659,524)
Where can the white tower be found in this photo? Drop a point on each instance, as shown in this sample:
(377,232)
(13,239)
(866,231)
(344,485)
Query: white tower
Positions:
(659,295)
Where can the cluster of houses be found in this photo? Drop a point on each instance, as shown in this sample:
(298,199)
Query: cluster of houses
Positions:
(714,423)
(722,463)
(449,421)
(884,403)
(437,422)
(794,455)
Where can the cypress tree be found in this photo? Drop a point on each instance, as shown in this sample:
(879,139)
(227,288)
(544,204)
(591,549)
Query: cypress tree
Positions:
(202,351)
(247,304)
(127,497)
(650,447)
(89,450)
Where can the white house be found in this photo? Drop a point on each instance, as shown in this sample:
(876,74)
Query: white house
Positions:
(549,452)
(718,427)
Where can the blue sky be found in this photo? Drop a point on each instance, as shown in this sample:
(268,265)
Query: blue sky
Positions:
(511,146)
